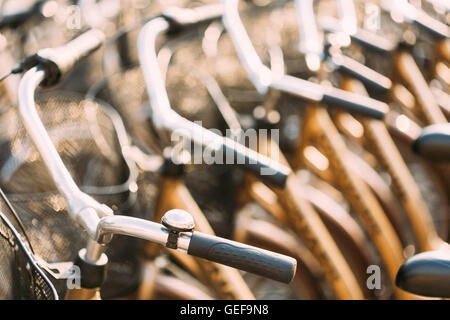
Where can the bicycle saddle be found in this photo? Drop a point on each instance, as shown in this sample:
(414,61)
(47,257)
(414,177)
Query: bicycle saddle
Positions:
(434,142)
(426,274)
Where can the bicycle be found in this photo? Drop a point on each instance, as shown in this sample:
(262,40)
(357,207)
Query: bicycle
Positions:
(95,218)
(428,273)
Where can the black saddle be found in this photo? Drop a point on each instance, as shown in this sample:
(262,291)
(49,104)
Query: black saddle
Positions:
(426,274)
(434,142)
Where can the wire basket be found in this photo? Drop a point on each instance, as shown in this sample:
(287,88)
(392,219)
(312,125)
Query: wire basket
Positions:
(88,140)
(20,275)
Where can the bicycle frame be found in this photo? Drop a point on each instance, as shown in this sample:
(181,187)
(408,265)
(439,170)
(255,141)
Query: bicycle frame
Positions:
(336,224)
(319,127)
(378,140)
(313,48)
(320,131)
(303,218)
(383,235)
(331,250)
(343,229)
(348,234)
(406,188)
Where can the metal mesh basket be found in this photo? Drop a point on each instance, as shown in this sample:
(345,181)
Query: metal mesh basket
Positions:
(87,139)
(20,276)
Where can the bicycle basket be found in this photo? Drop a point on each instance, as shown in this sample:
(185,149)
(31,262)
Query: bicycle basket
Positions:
(20,275)
(88,140)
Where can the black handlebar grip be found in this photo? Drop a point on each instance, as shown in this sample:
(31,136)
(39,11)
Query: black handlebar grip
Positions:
(433,26)
(434,142)
(363,73)
(58,61)
(375,42)
(267,169)
(241,256)
(354,103)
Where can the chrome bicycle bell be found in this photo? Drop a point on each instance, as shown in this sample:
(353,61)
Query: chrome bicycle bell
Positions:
(177,221)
